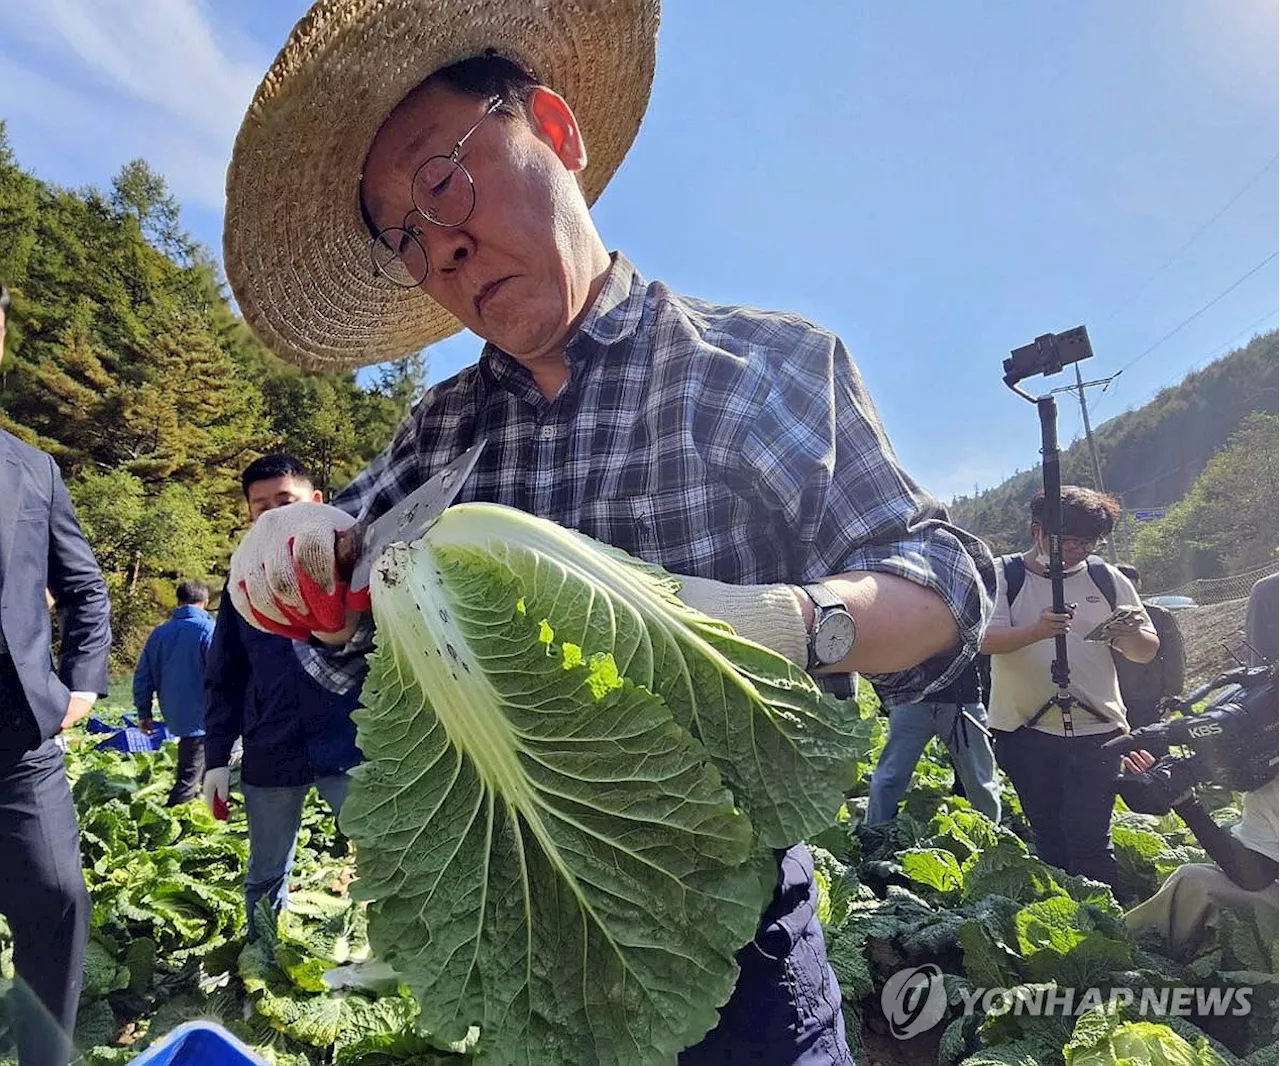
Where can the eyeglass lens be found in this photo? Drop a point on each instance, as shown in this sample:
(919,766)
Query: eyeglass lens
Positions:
(443,192)
(399,257)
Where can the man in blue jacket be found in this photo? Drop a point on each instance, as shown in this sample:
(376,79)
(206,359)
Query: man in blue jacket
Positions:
(172,667)
(42,890)
(295,734)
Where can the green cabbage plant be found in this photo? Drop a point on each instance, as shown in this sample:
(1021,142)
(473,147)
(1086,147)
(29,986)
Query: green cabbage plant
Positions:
(572,791)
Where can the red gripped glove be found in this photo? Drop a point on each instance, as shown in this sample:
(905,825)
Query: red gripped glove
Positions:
(284,574)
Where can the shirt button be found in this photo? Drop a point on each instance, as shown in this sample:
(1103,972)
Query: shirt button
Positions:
(547,432)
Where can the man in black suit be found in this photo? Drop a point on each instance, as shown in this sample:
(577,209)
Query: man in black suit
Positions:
(42,889)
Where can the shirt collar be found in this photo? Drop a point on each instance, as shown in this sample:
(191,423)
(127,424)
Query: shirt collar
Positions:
(188,610)
(612,318)
(616,312)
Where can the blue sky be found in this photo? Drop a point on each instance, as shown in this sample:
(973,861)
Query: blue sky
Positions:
(937,182)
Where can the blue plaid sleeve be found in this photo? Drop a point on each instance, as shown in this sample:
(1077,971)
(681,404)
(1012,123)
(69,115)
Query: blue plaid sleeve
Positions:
(338,669)
(818,450)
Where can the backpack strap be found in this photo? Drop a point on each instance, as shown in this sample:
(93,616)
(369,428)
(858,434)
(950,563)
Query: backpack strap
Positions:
(1015,574)
(1102,577)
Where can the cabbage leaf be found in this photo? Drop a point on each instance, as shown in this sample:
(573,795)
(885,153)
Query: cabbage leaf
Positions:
(571,791)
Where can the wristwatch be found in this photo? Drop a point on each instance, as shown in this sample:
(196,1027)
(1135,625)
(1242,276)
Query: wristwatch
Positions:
(832,635)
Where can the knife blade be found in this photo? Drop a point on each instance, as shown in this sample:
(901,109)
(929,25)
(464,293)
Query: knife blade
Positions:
(359,547)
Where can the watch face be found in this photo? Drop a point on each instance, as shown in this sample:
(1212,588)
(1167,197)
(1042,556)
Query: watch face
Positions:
(834,638)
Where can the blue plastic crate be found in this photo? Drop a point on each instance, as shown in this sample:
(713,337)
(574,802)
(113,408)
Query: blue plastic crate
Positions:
(198,1044)
(133,739)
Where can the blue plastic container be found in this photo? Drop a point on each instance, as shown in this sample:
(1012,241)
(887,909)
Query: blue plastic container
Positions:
(131,739)
(198,1044)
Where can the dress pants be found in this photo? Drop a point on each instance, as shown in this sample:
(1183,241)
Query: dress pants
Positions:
(43,895)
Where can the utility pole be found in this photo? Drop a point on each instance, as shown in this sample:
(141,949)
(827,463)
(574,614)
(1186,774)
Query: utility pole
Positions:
(1093,454)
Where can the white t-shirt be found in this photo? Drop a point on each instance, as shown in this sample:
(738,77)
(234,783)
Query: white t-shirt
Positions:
(1259,825)
(1020,680)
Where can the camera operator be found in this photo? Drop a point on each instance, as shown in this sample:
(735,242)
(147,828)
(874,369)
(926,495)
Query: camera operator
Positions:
(1066,782)
(1185,908)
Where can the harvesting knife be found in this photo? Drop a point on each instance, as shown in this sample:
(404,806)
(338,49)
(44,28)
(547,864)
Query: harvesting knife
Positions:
(360,546)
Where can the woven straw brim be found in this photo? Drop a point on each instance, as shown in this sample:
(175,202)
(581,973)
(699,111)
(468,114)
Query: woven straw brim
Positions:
(295,247)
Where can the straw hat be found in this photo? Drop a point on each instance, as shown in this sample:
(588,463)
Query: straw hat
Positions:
(295,246)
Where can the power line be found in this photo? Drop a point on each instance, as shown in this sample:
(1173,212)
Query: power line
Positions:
(1192,317)
(1247,329)
(1204,359)
(1159,477)
(1193,238)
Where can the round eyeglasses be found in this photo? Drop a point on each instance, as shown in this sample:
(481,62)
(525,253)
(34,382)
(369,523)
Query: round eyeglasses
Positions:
(444,195)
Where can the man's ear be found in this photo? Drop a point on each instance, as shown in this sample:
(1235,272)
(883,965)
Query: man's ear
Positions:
(317,496)
(554,124)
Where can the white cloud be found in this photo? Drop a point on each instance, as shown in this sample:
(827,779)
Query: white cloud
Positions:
(129,78)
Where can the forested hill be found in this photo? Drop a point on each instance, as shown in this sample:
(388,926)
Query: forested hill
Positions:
(1151,456)
(125,361)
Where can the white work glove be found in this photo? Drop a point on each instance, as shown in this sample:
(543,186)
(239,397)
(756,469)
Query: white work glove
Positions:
(216,789)
(284,575)
(770,615)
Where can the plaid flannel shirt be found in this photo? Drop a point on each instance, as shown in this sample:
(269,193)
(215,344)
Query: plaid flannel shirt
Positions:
(721,442)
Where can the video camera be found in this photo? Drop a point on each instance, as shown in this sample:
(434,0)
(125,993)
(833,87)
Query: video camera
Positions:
(1232,742)
(1047,355)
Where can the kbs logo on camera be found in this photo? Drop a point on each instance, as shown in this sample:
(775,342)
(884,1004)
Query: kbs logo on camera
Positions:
(914,1000)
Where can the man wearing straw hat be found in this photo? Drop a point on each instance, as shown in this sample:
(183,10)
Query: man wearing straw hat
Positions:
(415,166)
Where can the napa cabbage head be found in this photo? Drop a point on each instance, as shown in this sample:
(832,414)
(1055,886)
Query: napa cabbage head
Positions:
(571,791)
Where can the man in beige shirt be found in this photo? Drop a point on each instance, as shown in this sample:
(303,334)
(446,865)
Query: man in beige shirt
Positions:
(1055,761)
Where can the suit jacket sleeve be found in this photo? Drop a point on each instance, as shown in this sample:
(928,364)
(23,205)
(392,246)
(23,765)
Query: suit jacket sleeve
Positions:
(84,609)
(226,679)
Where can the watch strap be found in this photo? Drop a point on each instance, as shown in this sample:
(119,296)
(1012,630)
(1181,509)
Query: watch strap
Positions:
(823,598)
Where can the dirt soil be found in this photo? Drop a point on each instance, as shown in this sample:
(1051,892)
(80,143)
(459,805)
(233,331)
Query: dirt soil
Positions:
(1208,632)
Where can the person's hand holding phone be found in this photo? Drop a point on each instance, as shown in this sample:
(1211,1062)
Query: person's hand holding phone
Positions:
(1127,620)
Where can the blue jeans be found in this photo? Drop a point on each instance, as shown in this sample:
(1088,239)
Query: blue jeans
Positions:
(911,725)
(275,817)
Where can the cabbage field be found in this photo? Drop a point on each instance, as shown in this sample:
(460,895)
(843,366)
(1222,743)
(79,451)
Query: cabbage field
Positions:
(942,886)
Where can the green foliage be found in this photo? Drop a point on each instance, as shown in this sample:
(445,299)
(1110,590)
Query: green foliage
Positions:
(133,535)
(1102,1038)
(167,942)
(1227,523)
(126,362)
(166,533)
(967,897)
